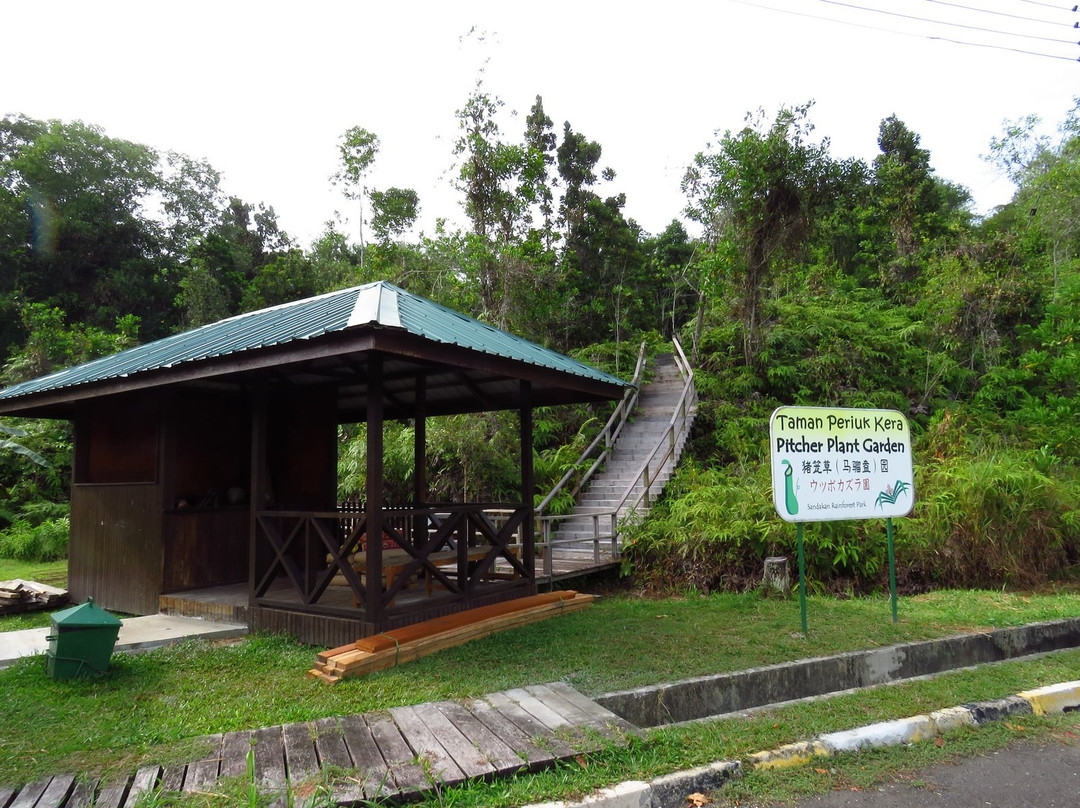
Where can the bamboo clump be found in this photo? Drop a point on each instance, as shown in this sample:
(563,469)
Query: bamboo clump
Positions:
(412,642)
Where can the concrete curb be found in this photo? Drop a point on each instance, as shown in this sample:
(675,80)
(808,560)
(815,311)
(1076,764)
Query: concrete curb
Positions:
(672,790)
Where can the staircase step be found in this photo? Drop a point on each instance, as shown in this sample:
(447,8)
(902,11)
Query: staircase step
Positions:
(636,444)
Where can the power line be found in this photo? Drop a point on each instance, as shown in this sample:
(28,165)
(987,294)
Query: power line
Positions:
(895,32)
(1049,5)
(996,13)
(944,22)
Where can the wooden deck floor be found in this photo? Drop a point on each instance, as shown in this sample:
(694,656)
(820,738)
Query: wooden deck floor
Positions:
(398,753)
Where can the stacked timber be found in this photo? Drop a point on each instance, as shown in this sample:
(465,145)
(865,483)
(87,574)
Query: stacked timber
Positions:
(418,640)
(18,595)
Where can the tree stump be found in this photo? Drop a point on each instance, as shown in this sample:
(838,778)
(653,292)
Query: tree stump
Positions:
(776,578)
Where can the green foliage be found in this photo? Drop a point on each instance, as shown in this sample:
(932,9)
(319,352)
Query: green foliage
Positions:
(818,281)
(988,519)
(46,541)
(760,191)
(53,344)
(34,491)
(724,525)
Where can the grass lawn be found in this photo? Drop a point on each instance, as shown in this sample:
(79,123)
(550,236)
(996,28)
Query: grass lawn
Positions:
(154,706)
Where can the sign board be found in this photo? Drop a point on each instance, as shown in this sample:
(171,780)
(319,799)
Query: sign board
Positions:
(834,463)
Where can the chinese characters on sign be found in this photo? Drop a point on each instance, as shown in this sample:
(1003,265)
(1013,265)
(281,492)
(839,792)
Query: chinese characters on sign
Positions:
(830,464)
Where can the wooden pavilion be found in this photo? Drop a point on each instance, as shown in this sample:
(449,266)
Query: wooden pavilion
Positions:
(209,458)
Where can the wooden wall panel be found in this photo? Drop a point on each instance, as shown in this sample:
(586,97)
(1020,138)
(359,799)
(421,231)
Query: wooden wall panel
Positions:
(204,548)
(118,443)
(115,551)
(212,451)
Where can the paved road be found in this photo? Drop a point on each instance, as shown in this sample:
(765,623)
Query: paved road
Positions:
(1017,777)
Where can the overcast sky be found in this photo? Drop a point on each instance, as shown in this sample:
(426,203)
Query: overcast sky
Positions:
(263,90)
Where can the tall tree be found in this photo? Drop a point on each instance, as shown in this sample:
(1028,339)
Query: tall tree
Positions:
(757,194)
(540,143)
(357,149)
(393,211)
(578,158)
(488,175)
(222,264)
(94,224)
(1047,175)
(916,204)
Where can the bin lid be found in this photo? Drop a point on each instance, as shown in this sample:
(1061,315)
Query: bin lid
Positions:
(85,614)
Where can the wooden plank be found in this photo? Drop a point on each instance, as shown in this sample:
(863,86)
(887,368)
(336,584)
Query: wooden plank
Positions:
(172,779)
(31,793)
(330,744)
(357,662)
(580,719)
(301,762)
(6,796)
(596,713)
(322,656)
(82,796)
(371,768)
(111,796)
(464,752)
(202,774)
(533,756)
(540,733)
(57,792)
(270,758)
(438,765)
(234,750)
(497,753)
(537,708)
(145,779)
(408,776)
(333,753)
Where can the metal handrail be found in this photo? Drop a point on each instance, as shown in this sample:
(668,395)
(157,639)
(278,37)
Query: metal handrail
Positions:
(622,415)
(687,402)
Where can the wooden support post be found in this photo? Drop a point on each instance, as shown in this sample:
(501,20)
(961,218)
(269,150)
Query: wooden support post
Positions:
(374,492)
(257,495)
(420,484)
(528,485)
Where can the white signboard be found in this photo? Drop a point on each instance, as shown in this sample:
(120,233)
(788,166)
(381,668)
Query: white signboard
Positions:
(833,463)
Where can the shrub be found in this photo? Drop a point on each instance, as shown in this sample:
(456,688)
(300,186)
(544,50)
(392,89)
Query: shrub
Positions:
(995,519)
(714,528)
(46,541)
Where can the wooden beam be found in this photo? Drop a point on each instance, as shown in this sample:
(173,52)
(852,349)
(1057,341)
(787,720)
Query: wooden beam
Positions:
(420,481)
(257,495)
(528,484)
(374,492)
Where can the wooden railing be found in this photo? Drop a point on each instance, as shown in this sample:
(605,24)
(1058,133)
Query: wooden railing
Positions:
(456,547)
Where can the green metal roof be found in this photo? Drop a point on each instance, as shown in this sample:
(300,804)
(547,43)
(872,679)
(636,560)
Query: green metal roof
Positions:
(379,305)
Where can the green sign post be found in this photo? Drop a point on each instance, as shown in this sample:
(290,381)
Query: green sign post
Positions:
(836,463)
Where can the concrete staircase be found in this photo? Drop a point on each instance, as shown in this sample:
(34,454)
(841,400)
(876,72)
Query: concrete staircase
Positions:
(620,486)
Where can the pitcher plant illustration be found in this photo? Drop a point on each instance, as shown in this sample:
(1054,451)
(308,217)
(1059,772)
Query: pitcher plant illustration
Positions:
(791,502)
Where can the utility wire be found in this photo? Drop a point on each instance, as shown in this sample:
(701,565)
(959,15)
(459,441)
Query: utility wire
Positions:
(1054,6)
(943,22)
(899,33)
(997,13)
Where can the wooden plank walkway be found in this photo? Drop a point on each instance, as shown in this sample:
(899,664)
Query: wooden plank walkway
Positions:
(398,754)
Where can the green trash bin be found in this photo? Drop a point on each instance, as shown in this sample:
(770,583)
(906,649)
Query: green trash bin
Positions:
(81,642)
